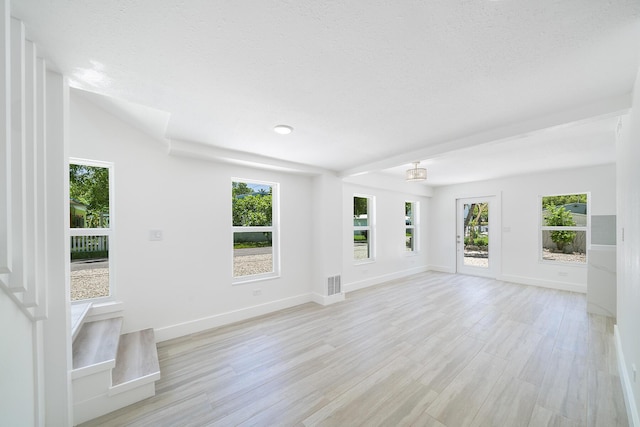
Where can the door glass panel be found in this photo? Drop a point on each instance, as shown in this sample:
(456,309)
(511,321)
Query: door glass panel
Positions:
(476,234)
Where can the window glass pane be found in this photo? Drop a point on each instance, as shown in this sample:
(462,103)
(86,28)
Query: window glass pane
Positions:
(408,213)
(409,239)
(564,246)
(89,267)
(88,196)
(252,253)
(361,244)
(564,210)
(252,204)
(360,211)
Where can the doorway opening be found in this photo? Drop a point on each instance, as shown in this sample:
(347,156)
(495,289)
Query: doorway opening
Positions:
(474,238)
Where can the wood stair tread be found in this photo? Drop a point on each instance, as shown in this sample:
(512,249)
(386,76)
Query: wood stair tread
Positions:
(97,343)
(137,358)
(78,313)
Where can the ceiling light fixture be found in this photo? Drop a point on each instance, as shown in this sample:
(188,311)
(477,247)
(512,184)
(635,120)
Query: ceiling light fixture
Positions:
(283,129)
(416,173)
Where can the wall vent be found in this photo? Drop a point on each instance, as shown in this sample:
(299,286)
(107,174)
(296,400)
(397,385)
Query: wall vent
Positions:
(334,285)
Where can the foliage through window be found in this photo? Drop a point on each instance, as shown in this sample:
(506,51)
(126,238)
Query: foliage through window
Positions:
(90,229)
(362,228)
(254,229)
(411,226)
(564,222)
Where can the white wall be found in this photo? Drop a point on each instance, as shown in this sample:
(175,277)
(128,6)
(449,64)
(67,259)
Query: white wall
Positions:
(327,235)
(17,389)
(391,259)
(183,283)
(519,230)
(628,157)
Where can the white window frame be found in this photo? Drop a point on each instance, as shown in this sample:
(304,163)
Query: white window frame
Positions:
(370,227)
(415,227)
(274,229)
(109,231)
(543,228)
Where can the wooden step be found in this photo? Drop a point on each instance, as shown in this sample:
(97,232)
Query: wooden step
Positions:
(78,313)
(136,362)
(96,346)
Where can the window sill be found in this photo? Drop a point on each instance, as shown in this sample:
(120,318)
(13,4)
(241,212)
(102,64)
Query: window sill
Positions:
(562,263)
(365,261)
(253,279)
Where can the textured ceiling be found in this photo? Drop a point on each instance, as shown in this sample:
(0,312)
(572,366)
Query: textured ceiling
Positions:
(366,85)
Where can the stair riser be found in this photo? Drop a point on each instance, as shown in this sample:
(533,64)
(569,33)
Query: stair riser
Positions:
(91,386)
(103,404)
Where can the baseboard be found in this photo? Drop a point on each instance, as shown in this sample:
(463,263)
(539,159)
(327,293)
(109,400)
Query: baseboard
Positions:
(202,324)
(372,281)
(327,300)
(551,284)
(442,269)
(627,390)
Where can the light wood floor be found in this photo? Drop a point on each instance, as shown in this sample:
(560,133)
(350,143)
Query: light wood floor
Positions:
(431,350)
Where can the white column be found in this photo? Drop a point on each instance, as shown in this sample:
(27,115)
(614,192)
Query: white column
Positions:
(327,235)
(57,328)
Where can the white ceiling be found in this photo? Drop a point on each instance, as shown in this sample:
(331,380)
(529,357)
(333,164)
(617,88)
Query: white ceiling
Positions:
(367,86)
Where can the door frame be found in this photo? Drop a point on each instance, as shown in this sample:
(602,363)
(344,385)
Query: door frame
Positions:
(495,237)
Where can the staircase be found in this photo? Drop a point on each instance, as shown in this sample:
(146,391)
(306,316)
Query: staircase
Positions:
(110,370)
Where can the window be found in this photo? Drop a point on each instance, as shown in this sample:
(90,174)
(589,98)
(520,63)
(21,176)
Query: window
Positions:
(363,220)
(411,226)
(564,224)
(255,233)
(90,229)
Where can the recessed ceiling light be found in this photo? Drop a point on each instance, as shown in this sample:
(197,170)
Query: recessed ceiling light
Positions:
(283,129)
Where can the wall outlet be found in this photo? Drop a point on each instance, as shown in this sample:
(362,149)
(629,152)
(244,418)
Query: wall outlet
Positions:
(634,372)
(257,292)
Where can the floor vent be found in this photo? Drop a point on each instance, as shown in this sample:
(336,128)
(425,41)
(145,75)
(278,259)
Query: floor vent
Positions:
(333,285)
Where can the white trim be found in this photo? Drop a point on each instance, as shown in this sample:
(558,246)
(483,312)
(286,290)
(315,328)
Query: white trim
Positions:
(372,281)
(198,325)
(441,268)
(627,389)
(551,284)
(327,300)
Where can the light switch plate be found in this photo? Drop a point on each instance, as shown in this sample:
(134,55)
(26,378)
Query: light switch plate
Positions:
(155,235)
